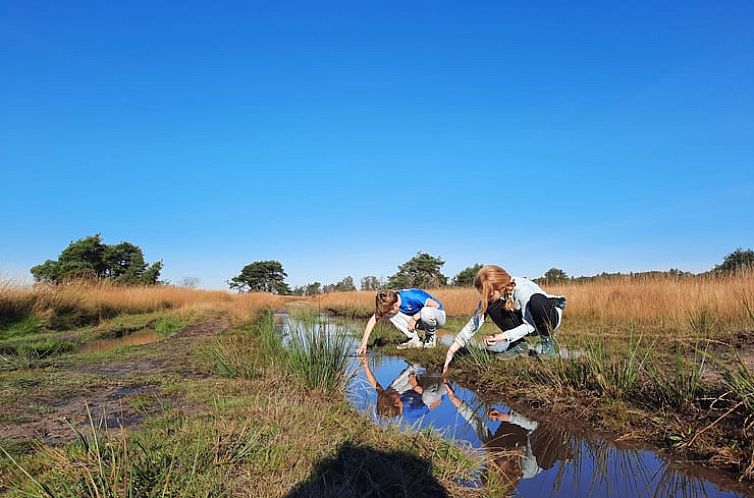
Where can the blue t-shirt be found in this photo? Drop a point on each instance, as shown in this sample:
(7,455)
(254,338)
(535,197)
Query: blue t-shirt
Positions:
(413,406)
(413,300)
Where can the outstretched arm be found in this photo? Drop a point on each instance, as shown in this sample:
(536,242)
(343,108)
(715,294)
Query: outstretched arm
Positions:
(449,357)
(365,338)
(463,337)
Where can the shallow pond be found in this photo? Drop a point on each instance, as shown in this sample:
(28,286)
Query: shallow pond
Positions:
(138,338)
(540,458)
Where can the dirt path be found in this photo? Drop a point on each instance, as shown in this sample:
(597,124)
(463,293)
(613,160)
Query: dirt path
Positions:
(106,388)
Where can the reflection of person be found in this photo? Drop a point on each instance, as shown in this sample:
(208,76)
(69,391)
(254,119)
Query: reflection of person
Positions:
(518,306)
(520,448)
(407,310)
(410,393)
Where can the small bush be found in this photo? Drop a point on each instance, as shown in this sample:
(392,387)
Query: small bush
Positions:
(165,326)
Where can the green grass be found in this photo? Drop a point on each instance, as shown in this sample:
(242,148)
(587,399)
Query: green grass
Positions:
(231,356)
(478,356)
(27,326)
(165,326)
(679,384)
(616,373)
(252,426)
(318,356)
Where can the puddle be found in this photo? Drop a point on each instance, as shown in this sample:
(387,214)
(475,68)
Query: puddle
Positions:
(540,458)
(138,338)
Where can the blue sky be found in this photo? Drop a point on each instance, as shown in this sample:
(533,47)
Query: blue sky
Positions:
(343,137)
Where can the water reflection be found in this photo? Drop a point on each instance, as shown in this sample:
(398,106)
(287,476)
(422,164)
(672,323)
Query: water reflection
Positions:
(519,448)
(138,338)
(535,457)
(411,394)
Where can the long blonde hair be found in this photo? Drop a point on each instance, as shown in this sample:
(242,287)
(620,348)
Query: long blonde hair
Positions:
(492,278)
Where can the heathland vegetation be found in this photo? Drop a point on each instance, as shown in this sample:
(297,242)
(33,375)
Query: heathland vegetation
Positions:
(659,358)
(217,405)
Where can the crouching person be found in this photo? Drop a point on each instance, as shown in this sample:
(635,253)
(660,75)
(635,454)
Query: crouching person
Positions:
(408,310)
(519,307)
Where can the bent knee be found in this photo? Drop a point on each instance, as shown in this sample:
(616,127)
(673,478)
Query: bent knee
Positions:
(427,315)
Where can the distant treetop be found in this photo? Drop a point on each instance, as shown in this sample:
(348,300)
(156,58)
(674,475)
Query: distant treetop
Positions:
(90,259)
(423,270)
(737,260)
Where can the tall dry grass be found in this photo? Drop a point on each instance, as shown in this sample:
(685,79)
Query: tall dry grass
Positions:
(78,304)
(708,300)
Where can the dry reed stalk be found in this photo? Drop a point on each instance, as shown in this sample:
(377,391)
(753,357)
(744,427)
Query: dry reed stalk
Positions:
(671,301)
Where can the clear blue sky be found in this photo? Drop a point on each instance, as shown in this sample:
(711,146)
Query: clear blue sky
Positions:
(343,137)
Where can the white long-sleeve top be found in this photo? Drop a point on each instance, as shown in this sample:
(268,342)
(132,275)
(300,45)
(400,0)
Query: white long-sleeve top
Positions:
(522,293)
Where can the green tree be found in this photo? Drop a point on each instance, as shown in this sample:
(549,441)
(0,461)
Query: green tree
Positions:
(345,285)
(261,276)
(423,270)
(313,289)
(89,258)
(466,277)
(555,275)
(737,260)
(370,283)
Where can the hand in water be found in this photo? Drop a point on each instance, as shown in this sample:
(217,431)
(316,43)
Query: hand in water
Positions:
(362,350)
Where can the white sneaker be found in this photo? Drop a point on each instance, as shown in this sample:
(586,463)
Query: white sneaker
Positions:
(411,343)
(431,342)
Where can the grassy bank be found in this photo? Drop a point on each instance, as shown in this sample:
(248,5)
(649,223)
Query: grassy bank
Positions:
(665,361)
(689,395)
(224,410)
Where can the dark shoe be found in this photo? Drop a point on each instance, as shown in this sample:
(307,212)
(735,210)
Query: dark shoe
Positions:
(547,348)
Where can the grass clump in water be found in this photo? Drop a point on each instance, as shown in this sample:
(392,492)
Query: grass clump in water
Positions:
(318,355)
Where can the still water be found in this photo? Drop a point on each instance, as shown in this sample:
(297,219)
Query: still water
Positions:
(138,338)
(539,457)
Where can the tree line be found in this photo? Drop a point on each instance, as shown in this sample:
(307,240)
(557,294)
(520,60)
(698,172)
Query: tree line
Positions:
(90,258)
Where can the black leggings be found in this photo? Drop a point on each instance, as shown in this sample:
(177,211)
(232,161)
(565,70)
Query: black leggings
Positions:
(540,308)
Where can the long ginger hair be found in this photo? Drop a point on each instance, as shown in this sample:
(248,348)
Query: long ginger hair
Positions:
(492,278)
(384,301)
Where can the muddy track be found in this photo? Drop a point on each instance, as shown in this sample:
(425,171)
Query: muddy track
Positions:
(110,385)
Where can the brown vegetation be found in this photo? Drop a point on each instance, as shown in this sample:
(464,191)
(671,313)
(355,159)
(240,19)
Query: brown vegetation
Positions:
(656,300)
(86,303)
